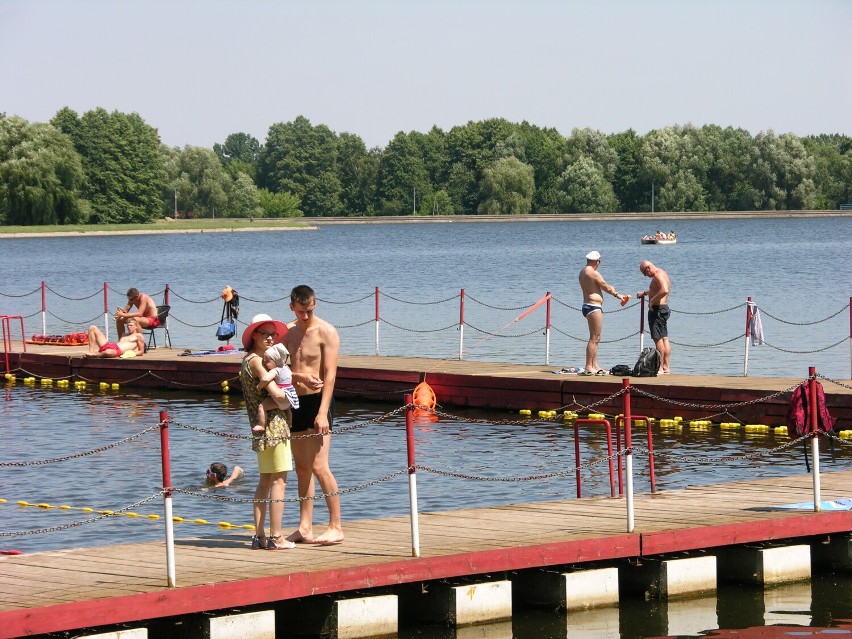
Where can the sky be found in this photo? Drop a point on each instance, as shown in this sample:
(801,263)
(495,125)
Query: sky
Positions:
(199,70)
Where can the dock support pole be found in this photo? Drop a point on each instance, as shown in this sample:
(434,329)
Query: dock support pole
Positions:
(43,309)
(641,323)
(167,499)
(547,333)
(461,324)
(812,417)
(412,476)
(747,332)
(377,320)
(628,452)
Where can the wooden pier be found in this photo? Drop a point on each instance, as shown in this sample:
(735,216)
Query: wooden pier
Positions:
(486,385)
(87,588)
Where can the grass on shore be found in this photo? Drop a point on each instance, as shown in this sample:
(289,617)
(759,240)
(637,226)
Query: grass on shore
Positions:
(159,225)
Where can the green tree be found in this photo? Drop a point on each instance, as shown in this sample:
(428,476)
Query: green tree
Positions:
(402,176)
(279,204)
(584,188)
(781,172)
(40,175)
(122,163)
(357,172)
(239,154)
(632,192)
(507,187)
(244,198)
(201,182)
(302,159)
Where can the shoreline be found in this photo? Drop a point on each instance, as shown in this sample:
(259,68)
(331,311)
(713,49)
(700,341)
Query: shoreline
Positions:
(318,222)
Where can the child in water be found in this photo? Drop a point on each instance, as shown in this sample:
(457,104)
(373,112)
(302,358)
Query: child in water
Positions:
(282,393)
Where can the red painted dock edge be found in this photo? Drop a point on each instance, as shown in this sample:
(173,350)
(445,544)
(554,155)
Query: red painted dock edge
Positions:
(229,595)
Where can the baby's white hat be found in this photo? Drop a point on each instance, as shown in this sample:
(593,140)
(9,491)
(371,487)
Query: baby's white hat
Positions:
(278,353)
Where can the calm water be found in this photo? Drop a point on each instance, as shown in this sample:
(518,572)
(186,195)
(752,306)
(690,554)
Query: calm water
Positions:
(504,268)
(797,271)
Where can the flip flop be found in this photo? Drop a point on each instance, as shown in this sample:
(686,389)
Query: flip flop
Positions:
(586,373)
(602,372)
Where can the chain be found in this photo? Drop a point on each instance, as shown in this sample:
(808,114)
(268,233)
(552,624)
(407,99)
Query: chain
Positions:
(75,299)
(94,451)
(778,319)
(806,352)
(834,381)
(726,310)
(726,458)
(35,290)
(291,500)
(590,407)
(727,341)
(496,308)
(179,321)
(484,332)
(413,330)
(396,299)
(111,513)
(586,339)
(180,297)
(340,326)
(360,299)
(72,322)
(750,402)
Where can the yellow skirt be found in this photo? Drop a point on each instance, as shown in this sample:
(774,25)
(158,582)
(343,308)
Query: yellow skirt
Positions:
(275,459)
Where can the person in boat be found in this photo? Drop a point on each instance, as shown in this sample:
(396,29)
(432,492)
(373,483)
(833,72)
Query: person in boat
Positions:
(660,235)
(145,313)
(314,346)
(100,346)
(646,237)
(672,235)
(217,475)
(658,310)
(592,284)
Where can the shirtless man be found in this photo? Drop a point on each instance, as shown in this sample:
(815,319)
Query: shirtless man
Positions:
(592,283)
(658,310)
(314,346)
(146,311)
(99,346)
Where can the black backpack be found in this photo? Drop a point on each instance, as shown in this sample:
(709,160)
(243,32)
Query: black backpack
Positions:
(648,363)
(622,370)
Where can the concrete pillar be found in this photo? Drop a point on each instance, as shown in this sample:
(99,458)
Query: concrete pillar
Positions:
(669,578)
(457,605)
(248,625)
(364,617)
(788,605)
(833,554)
(691,617)
(135,633)
(750,564)
(498,630)
(576,590)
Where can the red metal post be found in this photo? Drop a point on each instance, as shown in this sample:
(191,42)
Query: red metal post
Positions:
(547,320)
(409,432)
(164,452)
(812,400)
(461,325)
(461,310)
(166,297)
(606,423)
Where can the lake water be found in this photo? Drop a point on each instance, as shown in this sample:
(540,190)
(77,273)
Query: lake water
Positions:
(798,271)
(504,268)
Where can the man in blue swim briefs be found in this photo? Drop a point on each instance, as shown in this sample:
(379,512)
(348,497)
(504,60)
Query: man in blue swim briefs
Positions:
(658,310)
(592,284)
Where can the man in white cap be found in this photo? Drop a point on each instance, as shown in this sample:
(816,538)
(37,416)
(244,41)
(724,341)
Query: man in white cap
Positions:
(593,284)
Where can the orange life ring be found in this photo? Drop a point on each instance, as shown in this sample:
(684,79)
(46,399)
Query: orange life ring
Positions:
(424,396)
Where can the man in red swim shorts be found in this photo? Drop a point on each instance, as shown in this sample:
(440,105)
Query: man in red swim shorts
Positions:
(100,347)
(146,311)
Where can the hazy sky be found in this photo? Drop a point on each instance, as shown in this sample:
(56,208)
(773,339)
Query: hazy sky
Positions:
(198,70)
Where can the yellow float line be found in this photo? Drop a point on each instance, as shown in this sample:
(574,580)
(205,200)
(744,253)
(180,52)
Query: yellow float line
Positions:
(132,515)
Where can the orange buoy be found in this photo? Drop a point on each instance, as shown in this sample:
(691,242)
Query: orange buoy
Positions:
(424,396)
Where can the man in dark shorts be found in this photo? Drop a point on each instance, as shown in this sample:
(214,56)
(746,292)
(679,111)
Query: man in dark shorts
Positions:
(658,310)
(314,346)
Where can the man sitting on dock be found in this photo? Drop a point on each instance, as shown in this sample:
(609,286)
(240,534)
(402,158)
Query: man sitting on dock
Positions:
(133,342)
(145,313)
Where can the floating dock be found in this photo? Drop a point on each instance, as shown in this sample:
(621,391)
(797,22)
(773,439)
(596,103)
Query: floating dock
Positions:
(218,574)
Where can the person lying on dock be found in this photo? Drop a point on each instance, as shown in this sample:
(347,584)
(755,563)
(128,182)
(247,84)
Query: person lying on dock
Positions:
(217,472)
(133,342)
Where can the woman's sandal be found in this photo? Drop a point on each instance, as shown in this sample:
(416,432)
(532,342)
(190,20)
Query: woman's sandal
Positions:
(258,543)
(277,542)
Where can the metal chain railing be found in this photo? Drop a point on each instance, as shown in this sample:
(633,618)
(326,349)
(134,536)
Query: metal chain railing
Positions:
(819,321)
(396,299)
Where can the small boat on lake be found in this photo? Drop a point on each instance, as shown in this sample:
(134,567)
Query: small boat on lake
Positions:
(660,238)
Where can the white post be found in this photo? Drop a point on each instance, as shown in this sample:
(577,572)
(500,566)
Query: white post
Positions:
(377,320)
(170,542)
(812,427)
(749,320)
(628,469)
(547,346)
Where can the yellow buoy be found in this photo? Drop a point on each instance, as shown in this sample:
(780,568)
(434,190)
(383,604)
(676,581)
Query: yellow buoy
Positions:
(525,411)
(845,434)
(756,428)
(103,385)
(114,386)
(781,430)
(597,416)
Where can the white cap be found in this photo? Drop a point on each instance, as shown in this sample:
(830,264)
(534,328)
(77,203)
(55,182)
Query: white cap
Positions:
(594,256)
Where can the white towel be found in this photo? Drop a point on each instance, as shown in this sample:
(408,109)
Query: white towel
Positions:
(756,328)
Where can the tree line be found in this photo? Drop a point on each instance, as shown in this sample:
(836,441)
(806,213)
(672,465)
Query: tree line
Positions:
(103,167)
